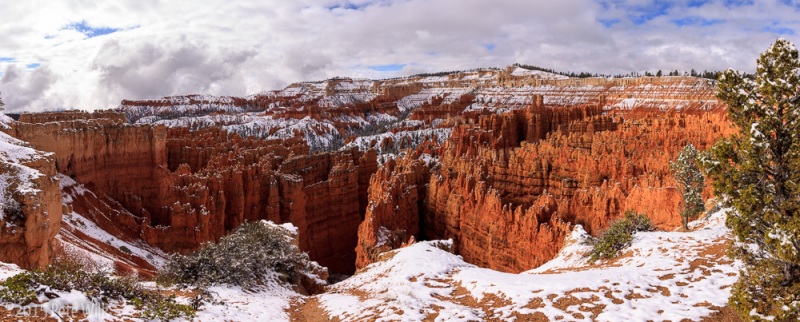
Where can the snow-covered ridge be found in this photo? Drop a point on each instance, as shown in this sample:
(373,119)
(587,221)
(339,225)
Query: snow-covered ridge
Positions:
(400,140)
(662,276)
(16,178)
(519,71)
(326,113)
(76,227)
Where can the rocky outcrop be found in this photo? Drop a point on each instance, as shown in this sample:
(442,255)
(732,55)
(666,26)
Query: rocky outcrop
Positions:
(125,162)
(46,117)
(392,217)
(221,180)
(508,208)
(529,154)
(185,187)
(30,204)
(28,231)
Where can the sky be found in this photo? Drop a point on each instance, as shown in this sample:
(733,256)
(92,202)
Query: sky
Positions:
(85,54)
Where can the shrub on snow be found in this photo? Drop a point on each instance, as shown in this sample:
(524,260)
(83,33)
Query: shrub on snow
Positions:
(245,258)
(618,236)
(99,286)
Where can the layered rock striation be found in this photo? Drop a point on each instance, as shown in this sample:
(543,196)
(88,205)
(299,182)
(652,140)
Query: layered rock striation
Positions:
(185,187)
(392,219)
(30,202)
(508,208)
(502,161)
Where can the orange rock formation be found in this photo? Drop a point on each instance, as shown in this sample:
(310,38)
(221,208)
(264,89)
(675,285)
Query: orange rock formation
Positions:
(186,188)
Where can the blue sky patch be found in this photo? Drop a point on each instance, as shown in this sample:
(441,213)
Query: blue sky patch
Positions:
(33,65)
(737,3)
(387,68)
(490,47)
(90,32)
(348,6)
(608,22)
(792,3)
(642,14)
(7,59)
(697,3)
(780,30)
(696,21)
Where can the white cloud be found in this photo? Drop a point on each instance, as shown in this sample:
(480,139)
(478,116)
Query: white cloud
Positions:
(242,47)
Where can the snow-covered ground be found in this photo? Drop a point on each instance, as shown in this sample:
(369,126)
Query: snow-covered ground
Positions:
(76,227)
(662,276)
(15,177)
(269,303)
(399,141)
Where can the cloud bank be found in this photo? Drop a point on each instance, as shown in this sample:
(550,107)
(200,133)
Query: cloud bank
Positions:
(79,55)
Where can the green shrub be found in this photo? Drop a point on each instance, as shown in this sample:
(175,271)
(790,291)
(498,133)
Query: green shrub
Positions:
(756,171)
(618,236)
(99,286)
(125,249)
(11,210)
(244,258)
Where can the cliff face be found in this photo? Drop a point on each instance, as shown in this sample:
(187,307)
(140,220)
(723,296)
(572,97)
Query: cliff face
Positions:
(222,180)
(392,217)
(184,188)
(529,152)
(30,210)
(125,162)
(502,161)
(509,208)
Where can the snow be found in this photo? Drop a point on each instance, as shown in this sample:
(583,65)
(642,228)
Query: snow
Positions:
(138,248)
(519,71)
(320,135)
(16,178)
(571,255)
(71,189)
(423,280)
(16,151)
(400,141)
(398,290)
(268,303)
(5,120)
(7,270)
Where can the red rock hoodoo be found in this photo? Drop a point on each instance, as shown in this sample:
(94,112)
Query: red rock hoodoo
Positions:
(28,227)
(504,162)
(186,188)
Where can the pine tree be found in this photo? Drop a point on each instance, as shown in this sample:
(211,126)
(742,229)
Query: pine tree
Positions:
(2,104)
(691,181)
(757,172)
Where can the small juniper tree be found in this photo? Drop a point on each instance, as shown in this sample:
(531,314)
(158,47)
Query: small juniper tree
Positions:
(246,257)
(757,172)
(691,181)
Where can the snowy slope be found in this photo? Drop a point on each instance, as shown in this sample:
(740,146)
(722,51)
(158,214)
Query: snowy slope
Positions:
(83,236)
(519,71)
(663,276)
(15,177)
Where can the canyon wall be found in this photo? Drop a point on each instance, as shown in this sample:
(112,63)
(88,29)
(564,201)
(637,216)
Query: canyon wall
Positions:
(185,187)
(504,162)
(125,162)
(31,217)
(509,186)
(392,218)
(509,208)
